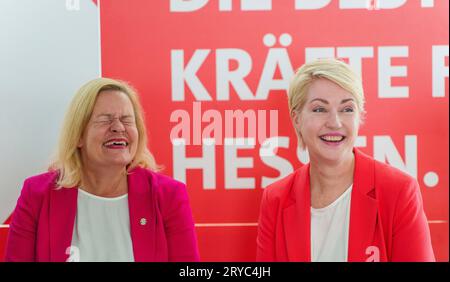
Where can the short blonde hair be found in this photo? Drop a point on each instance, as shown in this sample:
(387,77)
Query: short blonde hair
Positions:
(332,69)
(68,159)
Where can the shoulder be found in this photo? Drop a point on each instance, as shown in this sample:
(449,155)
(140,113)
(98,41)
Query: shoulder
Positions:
(35,189)
(168,194)
(389,173)
(388,180)
(40,184)
(392,185)
(392,180)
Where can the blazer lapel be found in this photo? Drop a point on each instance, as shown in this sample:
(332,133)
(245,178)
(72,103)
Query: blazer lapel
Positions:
(63,208)
(141,216)
(296,218)
(363,208)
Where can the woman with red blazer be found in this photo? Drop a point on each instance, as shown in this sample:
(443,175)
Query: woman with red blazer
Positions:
(343,205)
(102,199)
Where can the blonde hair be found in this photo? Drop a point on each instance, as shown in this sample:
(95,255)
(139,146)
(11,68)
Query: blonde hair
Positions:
(68,159)
(332,69)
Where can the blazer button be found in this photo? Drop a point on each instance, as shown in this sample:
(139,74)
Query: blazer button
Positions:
(143,221)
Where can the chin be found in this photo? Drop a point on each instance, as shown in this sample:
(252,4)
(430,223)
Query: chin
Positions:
(336,156)
(119,162)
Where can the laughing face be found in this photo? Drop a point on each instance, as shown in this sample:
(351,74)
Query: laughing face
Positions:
(328,122)
(110,137)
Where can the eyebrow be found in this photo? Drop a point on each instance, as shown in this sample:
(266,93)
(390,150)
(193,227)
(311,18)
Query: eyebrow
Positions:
(326,102)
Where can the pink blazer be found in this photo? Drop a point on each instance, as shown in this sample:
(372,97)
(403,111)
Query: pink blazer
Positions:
(387,220)
(42,223)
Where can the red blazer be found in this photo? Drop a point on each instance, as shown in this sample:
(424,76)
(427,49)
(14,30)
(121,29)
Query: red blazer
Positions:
(387,220)
(42,223)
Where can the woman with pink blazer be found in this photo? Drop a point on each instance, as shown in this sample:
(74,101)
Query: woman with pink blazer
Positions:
(102,199)
(343,205)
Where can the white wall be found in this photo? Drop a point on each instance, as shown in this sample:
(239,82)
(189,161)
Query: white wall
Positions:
(47,52)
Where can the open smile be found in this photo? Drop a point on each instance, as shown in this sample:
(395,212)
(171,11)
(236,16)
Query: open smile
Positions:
(116,143)
(333,140)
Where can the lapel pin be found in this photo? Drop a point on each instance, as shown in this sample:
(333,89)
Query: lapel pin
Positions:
(143,221)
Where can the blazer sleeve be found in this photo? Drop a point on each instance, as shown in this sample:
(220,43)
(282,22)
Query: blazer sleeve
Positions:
(20,246)
(179,226)
(411,233)
(265,241)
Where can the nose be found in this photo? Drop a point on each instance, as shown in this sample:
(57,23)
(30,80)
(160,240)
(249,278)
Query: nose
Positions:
(334,121)
(117,126)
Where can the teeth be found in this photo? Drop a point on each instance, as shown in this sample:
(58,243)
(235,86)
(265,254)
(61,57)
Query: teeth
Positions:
(116,143)
(333,138)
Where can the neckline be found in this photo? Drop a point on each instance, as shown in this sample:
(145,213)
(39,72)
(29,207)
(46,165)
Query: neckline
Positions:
(334,203)
(121,197)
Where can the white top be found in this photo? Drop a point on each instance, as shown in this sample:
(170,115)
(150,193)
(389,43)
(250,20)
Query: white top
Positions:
(102,229)
(329,230)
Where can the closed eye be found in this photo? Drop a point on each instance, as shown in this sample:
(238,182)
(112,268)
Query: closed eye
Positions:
(104,121)
(107,121)
(128,121)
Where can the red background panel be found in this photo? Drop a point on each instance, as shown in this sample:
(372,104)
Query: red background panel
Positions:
(216,240)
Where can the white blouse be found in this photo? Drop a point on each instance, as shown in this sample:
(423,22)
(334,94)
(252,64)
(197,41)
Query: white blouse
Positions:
(330,229)
(102,229)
